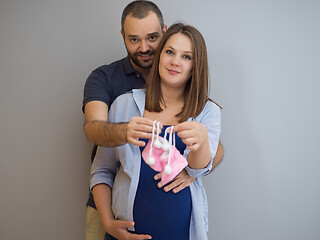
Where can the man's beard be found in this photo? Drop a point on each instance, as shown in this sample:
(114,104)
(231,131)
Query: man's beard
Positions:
(145,64)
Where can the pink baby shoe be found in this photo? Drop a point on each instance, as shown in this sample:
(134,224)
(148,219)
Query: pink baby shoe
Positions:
(164,157)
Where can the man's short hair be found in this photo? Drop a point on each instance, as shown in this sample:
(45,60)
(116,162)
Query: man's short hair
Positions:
(141,9)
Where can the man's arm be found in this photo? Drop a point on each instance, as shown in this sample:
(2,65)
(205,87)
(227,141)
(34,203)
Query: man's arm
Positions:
(218,157)
(103,133)
(97,128)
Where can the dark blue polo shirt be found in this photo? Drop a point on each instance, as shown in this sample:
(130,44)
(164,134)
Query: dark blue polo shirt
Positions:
(108,82)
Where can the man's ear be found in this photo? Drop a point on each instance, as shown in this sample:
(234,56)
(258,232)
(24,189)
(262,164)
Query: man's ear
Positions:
(165,27)
(122,33)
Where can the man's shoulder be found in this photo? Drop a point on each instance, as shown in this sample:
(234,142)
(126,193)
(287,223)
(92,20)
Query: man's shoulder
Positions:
(111,66)
(115,71)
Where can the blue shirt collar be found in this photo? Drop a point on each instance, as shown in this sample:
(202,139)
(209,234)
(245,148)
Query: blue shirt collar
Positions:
(139,97)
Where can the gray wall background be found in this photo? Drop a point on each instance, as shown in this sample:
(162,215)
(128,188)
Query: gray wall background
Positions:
(264,64)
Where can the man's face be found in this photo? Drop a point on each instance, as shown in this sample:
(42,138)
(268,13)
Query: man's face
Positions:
(141,38)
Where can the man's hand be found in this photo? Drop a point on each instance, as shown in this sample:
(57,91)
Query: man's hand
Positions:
(182,181)
(102,197)
(118,229)
(140,127)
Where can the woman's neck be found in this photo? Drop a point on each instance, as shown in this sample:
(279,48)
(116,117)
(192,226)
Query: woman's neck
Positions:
(173,104)
(172,96)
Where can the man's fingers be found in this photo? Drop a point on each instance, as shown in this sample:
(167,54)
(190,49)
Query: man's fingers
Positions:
(133,236)
(142,135)
(120,231)
(182,181)
(136,142)
(143,120)
(140,127)
(125,224)
(172,185)
(179,188)
(144,124)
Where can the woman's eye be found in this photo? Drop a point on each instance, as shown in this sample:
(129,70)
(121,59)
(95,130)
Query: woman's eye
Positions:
(169,52)
(187,57)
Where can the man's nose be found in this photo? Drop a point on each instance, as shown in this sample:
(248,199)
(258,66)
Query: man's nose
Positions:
(144,46)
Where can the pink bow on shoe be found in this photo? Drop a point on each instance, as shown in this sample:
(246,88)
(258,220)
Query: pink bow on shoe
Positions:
(164,157)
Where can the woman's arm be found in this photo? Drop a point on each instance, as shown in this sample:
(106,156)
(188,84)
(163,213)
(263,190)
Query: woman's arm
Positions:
(202,139)
(195,136)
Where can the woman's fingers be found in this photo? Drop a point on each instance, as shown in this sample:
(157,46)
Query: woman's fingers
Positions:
(192,134)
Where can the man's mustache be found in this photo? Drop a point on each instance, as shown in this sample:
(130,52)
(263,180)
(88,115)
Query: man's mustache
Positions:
(149,52)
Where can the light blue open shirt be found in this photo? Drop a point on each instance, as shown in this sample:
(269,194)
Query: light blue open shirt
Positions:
(119,167)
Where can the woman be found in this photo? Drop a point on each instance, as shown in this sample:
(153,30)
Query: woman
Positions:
(176,94)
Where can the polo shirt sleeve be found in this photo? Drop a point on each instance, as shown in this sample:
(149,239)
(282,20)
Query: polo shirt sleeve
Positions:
(97,88)
(210,117)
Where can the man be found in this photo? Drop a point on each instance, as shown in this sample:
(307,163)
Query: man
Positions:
(142,29)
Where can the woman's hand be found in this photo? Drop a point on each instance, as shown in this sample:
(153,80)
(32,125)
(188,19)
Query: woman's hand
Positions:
(193,134)
(139,127)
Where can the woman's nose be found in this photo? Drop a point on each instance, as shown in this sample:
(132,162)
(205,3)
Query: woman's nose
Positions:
(175,60)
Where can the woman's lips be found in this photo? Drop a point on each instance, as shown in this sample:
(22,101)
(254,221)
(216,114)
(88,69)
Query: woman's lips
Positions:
(172,71)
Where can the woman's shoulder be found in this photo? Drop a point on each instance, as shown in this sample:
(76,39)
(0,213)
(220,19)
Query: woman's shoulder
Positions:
(211,106)
(211,110)
(130,95)
(127,105)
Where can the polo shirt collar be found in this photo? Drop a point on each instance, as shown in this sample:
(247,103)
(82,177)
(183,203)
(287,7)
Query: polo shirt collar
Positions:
(128,66)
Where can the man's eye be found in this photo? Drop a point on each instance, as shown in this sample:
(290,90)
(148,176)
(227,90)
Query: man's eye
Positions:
(133,40)
(153,38)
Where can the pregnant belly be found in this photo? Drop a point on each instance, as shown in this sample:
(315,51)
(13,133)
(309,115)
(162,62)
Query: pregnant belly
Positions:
(163,215)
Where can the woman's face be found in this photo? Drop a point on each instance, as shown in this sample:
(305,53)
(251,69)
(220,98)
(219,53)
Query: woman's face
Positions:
(176,62)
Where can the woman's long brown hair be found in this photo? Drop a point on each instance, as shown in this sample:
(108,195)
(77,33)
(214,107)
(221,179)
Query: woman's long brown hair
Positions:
(196,90)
